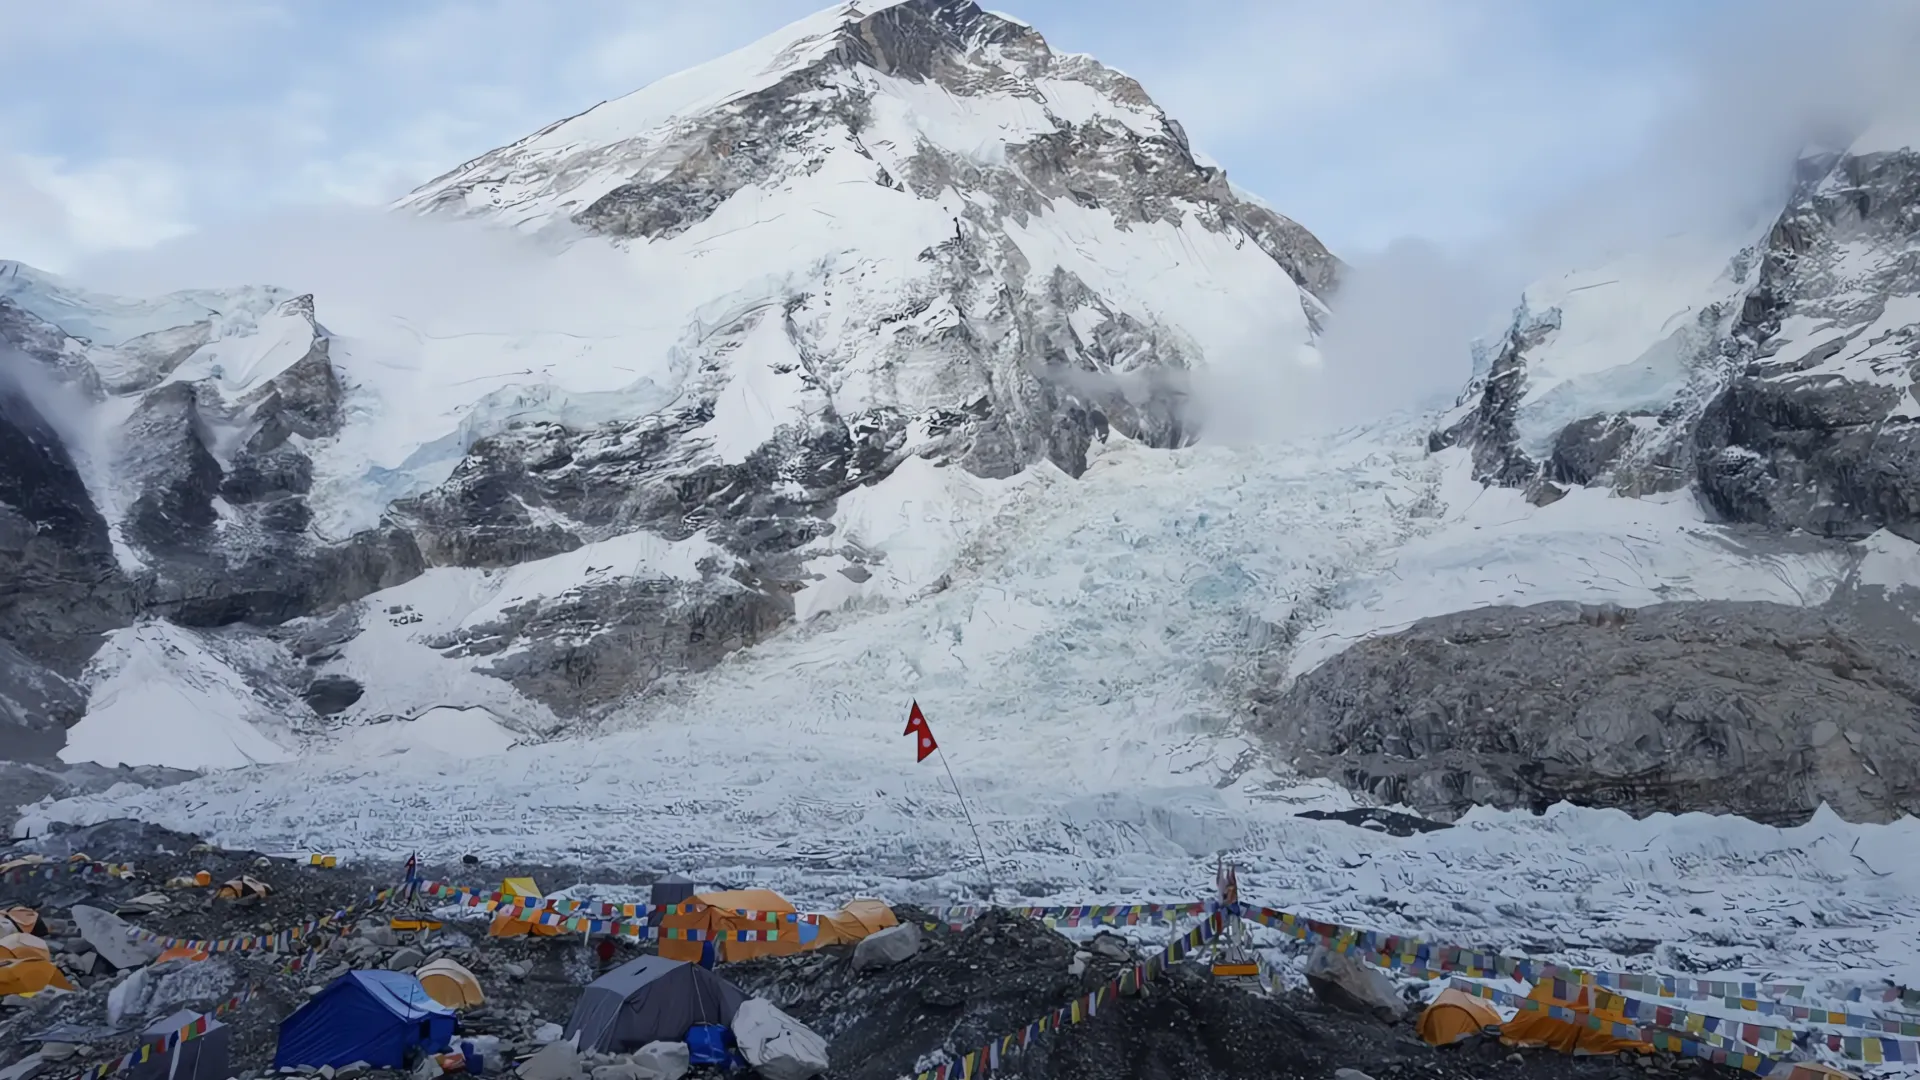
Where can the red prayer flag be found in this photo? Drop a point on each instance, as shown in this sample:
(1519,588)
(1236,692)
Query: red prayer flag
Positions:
(917,725)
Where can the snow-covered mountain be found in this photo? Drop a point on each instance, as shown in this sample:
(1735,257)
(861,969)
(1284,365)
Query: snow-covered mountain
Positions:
(892,256)
(1768,387)
(888,398)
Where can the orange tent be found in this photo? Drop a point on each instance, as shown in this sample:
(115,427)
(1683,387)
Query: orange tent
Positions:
(721,916)
(1454,1016)
(855,920)
(30,977)
(1538,1028)
(23,947)
(182,952)
(24,919)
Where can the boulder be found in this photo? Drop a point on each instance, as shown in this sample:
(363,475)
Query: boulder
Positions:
(1341,980)
(776,1045)
(112,937)
(26,1068)
(1110,946)
(128,999)
(405,960)
(662,1061)
(378,933)
(548,1032)
(888,947)
(558,1060)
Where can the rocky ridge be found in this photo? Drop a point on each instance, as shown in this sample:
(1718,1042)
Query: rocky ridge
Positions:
(1780,396)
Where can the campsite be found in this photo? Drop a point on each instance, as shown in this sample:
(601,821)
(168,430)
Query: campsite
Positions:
(494,994)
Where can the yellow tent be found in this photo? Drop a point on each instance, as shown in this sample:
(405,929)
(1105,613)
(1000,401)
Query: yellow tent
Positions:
(451,985)
(30,977)
(1454,1016)
(505,925)
(1538,1028)
(23,947)
(720,917)
(855,920)
(243,888)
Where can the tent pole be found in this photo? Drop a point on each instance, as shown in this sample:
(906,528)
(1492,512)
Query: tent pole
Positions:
(985,868)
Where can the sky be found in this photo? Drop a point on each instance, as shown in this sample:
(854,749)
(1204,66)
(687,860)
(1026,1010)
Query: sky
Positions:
(128,122)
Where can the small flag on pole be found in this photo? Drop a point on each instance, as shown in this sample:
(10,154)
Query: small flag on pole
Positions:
(917,725)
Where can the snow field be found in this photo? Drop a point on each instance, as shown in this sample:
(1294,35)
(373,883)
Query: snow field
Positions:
(158,696)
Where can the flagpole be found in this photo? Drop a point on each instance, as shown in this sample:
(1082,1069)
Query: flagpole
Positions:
(985,868)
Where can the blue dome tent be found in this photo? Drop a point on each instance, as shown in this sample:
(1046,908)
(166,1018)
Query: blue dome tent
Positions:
(378,1017)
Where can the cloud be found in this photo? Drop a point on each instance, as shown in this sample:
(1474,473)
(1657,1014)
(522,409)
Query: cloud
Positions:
(53,212)
(443,277)
(238,108)
(1710,154)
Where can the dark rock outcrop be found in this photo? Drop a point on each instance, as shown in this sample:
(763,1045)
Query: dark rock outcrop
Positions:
(1755,709)
(37,706)
(60,585)
(1801,412)
(962,991)
(1819,429)
(330,694)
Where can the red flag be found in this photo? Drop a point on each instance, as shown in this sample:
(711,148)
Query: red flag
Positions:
(917,725)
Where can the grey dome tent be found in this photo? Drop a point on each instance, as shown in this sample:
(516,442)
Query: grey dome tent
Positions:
(649,999)
(200,1058)
(672,889)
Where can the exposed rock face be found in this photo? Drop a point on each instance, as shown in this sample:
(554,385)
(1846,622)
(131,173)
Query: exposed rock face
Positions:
(1782,395)
(60,586)
(1819,429)
(596,645)
(1755,709)
(1787,400)
(36,708)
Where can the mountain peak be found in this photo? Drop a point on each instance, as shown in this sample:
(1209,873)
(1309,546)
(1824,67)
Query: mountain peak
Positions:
(937,96)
